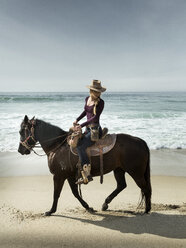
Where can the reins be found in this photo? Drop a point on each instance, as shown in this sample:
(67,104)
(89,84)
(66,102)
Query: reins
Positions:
(55,149)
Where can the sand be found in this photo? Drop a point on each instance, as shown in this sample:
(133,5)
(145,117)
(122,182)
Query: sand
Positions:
(24,199)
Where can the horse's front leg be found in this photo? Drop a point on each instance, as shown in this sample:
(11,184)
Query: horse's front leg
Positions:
(74,188)
(58,184)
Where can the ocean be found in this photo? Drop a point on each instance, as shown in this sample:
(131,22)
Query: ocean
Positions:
(158,118)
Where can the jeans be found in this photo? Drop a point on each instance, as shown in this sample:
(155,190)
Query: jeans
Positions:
(84,143)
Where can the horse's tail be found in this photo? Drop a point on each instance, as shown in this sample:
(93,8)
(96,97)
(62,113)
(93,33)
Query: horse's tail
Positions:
(147,179)
(147,171)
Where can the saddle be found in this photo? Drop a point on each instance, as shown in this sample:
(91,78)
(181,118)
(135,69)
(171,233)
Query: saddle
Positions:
(105,144)
(101,147)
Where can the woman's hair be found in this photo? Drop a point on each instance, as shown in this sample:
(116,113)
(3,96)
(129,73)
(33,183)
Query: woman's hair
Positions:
(96,96)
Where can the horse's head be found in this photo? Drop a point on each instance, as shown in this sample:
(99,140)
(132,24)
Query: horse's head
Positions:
(27,138)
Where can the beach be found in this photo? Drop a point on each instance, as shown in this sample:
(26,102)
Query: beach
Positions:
(26,192)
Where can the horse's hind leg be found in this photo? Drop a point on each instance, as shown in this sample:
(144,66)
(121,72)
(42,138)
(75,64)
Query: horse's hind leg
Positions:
(74,188)
(58,184)
(146,192)
(121,184)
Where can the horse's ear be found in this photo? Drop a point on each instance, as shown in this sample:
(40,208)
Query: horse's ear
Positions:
(26,119)
(32,119)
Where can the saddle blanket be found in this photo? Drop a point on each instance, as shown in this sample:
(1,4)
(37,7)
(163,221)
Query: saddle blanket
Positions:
(105,144)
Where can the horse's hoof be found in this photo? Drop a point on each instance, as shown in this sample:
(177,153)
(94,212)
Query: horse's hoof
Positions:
(104,207)
(91,210)
(48,213)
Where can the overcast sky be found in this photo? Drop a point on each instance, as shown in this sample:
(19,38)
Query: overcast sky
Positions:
(61,45)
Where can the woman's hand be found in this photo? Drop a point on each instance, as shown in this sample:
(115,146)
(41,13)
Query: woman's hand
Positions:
(77,127)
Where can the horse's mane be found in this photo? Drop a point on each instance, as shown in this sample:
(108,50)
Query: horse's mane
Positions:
(50,129)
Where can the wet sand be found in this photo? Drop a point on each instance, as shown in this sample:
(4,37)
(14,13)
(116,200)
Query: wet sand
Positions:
(169,162)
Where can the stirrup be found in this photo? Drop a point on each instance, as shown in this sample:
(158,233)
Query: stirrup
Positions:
(86,181)
(81,181)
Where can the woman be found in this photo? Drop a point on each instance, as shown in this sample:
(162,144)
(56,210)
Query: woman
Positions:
(93,108)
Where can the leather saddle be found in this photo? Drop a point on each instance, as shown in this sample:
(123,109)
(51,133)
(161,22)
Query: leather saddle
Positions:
(104,144)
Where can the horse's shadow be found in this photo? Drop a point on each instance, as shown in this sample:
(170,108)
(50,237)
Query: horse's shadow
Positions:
(165,225)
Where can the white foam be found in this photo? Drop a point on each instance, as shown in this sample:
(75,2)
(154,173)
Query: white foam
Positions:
(159,128)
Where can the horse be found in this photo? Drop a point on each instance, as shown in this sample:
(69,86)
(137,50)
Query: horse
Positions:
(129,155)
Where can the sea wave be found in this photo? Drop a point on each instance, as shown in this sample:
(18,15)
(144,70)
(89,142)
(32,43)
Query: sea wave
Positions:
(36,99)
(159,122)
(158,133)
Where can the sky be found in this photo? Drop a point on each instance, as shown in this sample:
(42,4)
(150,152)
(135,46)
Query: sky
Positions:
(61,45)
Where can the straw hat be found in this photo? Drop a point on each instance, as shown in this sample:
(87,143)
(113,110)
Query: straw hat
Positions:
(96,86)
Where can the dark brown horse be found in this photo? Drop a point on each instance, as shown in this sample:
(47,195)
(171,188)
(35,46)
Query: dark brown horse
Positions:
(130,154)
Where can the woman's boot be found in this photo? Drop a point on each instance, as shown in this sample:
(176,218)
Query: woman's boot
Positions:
(86,176)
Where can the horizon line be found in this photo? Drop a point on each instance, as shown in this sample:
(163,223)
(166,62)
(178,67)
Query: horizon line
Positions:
(157,91)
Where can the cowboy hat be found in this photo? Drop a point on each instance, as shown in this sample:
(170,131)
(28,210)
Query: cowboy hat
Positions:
(96,86)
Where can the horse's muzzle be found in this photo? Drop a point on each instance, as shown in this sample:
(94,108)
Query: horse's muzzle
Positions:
(23,151)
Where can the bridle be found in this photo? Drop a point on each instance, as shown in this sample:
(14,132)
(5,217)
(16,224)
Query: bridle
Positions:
(31,136)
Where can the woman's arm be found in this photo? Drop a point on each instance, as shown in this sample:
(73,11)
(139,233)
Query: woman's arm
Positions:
(81,116)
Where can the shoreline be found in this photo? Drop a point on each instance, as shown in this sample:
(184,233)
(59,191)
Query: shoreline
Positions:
(167,162)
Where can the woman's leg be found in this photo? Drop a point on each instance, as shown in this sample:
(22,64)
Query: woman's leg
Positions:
(82,146)
(85,163)
(84,143)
